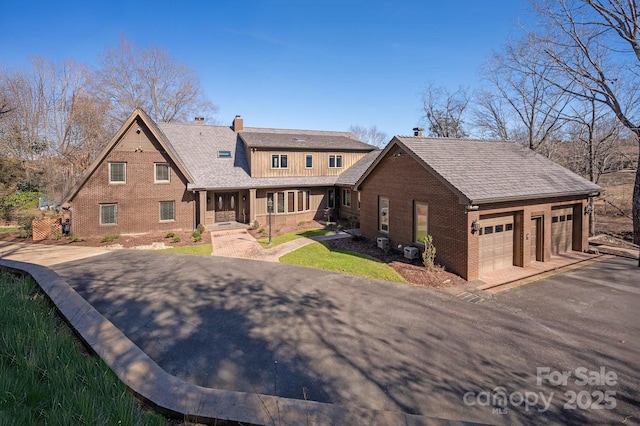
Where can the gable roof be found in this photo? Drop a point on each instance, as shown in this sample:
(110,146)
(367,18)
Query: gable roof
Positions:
(255,137)
(350,176)
(486,171)
(137,114)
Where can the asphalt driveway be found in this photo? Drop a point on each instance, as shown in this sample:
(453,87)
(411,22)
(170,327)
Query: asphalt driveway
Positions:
(276,329)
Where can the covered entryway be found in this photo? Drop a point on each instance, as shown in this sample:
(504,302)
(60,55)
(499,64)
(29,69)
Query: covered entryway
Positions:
(561,230)
(226,206)
(496,243)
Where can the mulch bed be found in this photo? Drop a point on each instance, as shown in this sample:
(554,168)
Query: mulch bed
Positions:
(411,270)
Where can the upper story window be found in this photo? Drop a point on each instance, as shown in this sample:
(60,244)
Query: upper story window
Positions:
(117,172)
(335,161)
(162,172)
(279,161)
(224,154)
(308,161)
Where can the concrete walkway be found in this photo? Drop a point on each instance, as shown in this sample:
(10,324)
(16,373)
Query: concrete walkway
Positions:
(238,243)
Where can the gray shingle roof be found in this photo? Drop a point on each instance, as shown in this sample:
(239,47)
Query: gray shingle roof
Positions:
(488,171)
(302,139)
(350,176)
(197,146)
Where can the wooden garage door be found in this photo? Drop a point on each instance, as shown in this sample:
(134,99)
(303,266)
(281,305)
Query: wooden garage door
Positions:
(561,230)
(496,243)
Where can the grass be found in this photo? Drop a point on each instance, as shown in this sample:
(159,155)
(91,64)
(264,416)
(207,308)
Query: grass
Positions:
(10,229)
(45,376)
(319,255)
(199,250)
(290,236)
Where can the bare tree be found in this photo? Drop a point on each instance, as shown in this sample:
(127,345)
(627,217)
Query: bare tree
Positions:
(132,77)
(444,111)
(595,44)
(523,105)
(371,135)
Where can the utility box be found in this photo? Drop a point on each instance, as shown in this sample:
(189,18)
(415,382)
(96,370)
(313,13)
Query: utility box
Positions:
(383,243)
(411,252)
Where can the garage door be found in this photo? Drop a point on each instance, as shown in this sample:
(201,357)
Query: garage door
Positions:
(561,230)
(496,243)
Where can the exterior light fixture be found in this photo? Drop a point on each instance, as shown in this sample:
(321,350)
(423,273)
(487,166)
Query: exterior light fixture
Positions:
(588,209)
(475,226)
(270,208)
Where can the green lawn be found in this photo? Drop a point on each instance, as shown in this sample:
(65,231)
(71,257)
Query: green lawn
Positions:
(318,255)
(289,236)
(46,377)
(4,229)
(199,250)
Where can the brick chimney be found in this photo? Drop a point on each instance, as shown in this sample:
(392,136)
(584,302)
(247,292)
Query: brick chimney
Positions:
(237,124)
(198,120)
(417,131)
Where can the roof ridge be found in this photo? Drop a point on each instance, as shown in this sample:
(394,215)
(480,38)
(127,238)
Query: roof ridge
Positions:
(450,139)
(293,131)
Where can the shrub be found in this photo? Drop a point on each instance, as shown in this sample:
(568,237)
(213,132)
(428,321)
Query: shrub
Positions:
(301,223)
(109,238)
(262,231)
(429,253)
(256,224)
(200,228)
(176,239)
(74,239)
(197,236)
(170,235)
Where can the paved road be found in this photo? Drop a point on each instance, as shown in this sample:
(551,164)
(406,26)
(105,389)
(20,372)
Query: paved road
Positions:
(278,329)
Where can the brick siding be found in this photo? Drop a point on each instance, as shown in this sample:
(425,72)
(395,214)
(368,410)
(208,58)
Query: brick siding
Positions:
(138,199)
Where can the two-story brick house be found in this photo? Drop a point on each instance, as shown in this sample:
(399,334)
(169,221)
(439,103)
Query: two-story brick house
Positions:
(162,176)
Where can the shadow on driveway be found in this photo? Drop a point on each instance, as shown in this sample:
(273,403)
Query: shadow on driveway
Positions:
(302,333)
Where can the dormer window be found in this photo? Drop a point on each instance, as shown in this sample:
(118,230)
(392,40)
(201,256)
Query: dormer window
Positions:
(224,154)
(335,161)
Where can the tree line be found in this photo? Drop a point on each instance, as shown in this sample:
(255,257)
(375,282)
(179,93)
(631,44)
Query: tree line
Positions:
(55,117)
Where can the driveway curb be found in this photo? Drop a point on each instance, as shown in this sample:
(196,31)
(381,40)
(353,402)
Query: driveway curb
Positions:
(176,397)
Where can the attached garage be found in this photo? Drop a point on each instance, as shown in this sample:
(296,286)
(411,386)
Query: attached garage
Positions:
(561,230)
(496,243)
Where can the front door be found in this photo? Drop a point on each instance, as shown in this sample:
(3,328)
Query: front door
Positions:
(226,205)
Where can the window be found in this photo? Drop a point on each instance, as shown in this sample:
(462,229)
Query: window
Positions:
(335,161)
(279,161)
(488,230)
(280,203)
(224,154)
(499,228)
(303,200)
(346,197)
(117,172)
(420,217)
(167,210)
(562,218)
(291,206)
(308,161)
(162,172)
(569,217)
(554,219)
(383,208)
(509,227)
(108,214)
(331,198)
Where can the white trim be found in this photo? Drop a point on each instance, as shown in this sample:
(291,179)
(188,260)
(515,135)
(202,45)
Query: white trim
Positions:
(118,182)
(155,173)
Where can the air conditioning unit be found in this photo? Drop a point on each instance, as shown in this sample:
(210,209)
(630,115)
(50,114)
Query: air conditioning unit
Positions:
(411,252)
(383,243)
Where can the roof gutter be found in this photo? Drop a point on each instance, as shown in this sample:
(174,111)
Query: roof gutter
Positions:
(532,197)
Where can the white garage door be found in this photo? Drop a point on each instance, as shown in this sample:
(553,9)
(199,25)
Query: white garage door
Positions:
(561,230)
(496,243)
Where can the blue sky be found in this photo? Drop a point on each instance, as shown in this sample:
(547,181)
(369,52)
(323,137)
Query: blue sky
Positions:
(291,64)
